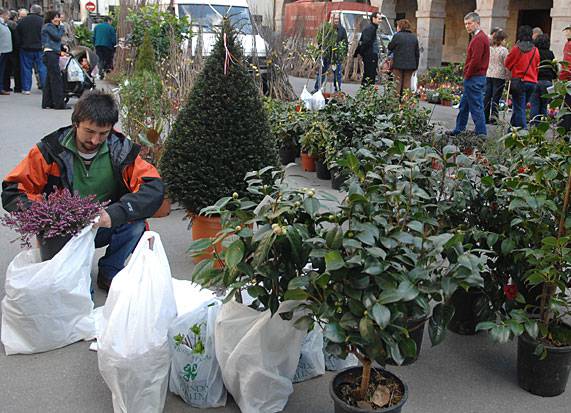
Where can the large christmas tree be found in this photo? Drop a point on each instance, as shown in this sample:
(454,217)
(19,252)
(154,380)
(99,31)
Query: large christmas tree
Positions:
(221,133)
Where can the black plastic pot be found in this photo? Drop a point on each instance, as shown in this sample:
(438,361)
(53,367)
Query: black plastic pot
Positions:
(416,331)
(465,316)
(546,377)
(287,154)
(322,171)
(51,246)
(337,180)
(350,375)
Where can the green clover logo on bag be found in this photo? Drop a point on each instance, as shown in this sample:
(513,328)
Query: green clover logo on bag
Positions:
(190,372)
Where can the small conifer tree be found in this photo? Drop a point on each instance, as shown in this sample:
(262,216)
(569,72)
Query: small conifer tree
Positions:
(221,133)
(145,56)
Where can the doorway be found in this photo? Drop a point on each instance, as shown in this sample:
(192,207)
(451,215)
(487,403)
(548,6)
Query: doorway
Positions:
(535,18)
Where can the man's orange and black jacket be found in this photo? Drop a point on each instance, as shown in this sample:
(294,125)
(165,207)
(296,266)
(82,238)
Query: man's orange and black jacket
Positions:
(48,164)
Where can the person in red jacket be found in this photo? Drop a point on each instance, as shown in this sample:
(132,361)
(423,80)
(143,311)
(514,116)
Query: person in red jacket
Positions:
(565,75)
(523,62)
(475,68)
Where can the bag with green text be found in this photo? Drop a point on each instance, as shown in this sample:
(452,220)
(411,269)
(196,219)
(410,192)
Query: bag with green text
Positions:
(195,373)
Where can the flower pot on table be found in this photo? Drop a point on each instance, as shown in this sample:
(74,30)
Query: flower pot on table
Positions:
(465,316)
(287,154)
(322,170)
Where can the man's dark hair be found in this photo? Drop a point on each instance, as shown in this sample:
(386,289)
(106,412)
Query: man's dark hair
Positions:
(107,19)
(96,106)
(50,15)
(375,14)
(524,34)
(542,42)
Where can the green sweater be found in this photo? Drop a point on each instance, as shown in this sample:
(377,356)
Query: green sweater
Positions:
(97,179)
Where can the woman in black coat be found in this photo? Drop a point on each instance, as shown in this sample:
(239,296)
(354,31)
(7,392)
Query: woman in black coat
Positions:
(546,74)
(406,54)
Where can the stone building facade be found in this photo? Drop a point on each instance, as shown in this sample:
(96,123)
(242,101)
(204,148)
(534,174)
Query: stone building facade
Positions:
(440,27)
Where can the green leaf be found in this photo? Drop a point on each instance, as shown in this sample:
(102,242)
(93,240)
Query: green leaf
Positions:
(416,226)
(366,329)
(377,252)
(381,314)
(334,238)
(485,325)
(390,295)
(507,246)
(491,239)
(261,253)
(311,205)
(199,245)
(440,240)
(500,333)
(407,291)
(303,323)
(394,352)
(441,316)
(334,261)
(531,328)
(234,253)
(296,294)
(408,347)
(255,291)
(333,332)
(298,282)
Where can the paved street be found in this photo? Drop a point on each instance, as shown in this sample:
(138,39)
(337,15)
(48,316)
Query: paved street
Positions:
(464,374)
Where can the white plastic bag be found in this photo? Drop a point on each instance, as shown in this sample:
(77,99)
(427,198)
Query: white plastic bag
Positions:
(413,82)
(74,71)
(195,373)
(48,304)
(306,98)
(134,356)
(311,360)
(258,355)
(317,100)
(334,363)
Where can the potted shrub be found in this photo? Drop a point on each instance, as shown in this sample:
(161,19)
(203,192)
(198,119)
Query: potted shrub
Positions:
(446,96)
(315,141)
(287,122)
(539,191)
(212,144)
(54,219)
(380,273)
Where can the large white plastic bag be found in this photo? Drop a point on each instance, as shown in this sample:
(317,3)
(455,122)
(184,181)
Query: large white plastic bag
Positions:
(306,98)
(134,356)
(258,355)
(317,101)
(311,360)
(413,82)
(48,304)
(196,377)
(74,71)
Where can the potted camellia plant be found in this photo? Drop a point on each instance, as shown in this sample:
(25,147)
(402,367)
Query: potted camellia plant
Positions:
(53,220)
(539,189)
(212,144)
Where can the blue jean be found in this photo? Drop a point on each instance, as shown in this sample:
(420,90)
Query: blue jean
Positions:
(472,103)
(336,75)
(121,242)
(29,60)
(539,104)
(519,105)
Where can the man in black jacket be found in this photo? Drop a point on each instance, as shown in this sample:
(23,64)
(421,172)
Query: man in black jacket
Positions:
(369,50)
(29,33)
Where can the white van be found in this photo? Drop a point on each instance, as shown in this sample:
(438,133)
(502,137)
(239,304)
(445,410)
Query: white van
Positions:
(207,15)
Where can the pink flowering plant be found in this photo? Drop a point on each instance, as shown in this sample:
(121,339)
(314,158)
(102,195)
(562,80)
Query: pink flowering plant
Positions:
(59,214)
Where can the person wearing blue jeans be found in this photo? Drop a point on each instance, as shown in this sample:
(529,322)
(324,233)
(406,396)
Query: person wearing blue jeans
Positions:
(475,68)
(29,60)
(519,105)
(472,103)
(337,75)
(120,242)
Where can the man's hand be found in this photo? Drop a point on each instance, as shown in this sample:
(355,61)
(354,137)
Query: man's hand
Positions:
(104,220)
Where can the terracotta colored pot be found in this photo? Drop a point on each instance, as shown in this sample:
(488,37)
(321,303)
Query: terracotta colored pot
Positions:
(206,227)
(307,162)
(164,210)
(446,102)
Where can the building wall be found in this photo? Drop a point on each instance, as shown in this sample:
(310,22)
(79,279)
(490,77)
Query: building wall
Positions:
(515,7)
(408,8)
(455,35)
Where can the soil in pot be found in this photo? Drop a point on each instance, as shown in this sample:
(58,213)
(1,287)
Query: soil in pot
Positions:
(322,171)
(51,246)
(287,154)
(547,377)
(387,393)
(416,331)
(465,311)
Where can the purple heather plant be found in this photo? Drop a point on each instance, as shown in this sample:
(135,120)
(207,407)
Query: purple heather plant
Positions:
(58,214)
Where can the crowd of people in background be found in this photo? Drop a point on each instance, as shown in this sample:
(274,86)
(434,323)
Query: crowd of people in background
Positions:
(529,69)
(34,42)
